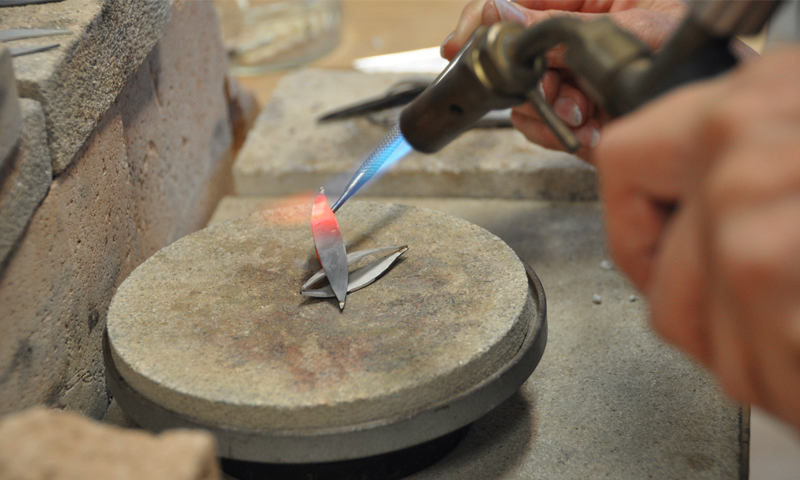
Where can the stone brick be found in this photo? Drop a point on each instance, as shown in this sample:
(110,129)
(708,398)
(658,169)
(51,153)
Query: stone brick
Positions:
(151,172)
(243,107)
(177,128)
(10,118)
(43,444)
(287,152)
(24,182)
(56,287)
(77,82)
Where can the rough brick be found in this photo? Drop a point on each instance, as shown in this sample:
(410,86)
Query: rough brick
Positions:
(24,181)
(288,152)
(55,290)
(177,128)
(43,444)
(151,172)
(244,109)
(10,118)
(77,82)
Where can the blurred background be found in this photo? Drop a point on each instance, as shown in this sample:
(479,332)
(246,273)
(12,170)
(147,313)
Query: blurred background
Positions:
(365,28)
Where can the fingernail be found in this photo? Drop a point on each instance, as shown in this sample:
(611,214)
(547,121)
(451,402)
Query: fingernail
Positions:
(541,90)
(446,41)
(594,137)
(509,12)
(568,110)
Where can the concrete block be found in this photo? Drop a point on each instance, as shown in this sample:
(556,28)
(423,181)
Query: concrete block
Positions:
(288,152)
(54,292)
(43,444)
(24,182)
(77,82)
(177,128)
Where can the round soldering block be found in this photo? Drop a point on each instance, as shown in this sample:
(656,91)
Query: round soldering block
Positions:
(214,329)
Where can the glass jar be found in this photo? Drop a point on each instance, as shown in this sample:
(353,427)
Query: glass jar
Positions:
(269,35)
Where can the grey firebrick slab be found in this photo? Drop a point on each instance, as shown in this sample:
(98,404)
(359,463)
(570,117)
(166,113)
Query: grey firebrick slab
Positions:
(78,81)
(231,341)
(288,152)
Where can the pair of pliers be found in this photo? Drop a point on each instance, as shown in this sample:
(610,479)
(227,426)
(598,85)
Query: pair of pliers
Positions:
(399,94)
(403,93)
(22,33)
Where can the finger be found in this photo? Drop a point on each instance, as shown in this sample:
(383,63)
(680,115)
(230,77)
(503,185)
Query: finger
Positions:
(759,277)
(469,21)
(599,6)
(752,200)
(526,110)
(652,27)
(676,290)
(589,135)
(649,150)
(568,102)
(554,57)
(538,132)
(535,130)
(497,10)
(477,13)
(733,291)
(551,84)
(729,356)
(642,174)
(548,86)
(572,106)
(633,228)
(626,158)
(742,51)
(489,12)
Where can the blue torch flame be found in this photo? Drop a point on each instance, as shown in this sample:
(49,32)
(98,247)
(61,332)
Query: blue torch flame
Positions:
(389,151)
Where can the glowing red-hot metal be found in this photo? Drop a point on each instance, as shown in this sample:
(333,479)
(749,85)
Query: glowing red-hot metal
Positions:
(329,246)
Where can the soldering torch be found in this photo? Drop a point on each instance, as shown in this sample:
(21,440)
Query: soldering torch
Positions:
(501,67)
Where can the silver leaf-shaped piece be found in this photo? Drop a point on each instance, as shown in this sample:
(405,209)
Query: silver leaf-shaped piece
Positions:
(359,278)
